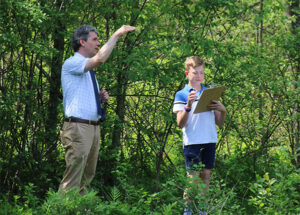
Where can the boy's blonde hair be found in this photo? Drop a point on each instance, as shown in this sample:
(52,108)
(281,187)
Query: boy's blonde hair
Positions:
(193,61)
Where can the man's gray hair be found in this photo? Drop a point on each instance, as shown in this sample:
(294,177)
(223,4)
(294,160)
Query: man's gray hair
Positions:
(82,32)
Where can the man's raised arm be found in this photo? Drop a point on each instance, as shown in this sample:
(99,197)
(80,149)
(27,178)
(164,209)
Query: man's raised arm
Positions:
(107,48)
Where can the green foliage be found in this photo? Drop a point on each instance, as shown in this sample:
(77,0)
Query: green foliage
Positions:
(73,203)
(251,48)
(268,196)
(70,203)
(8,207)
(278,195)
(114,194)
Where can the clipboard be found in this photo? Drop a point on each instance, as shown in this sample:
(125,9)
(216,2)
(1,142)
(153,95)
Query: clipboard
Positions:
(206,98)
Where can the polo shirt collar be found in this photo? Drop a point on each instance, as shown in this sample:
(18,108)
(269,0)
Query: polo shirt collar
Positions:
(189,88)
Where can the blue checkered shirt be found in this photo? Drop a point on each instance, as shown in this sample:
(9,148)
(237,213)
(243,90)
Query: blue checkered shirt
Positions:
(78,92)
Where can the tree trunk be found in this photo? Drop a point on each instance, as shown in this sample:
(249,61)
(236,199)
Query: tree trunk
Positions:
(295,127)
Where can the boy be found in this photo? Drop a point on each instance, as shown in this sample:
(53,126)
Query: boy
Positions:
(199,130)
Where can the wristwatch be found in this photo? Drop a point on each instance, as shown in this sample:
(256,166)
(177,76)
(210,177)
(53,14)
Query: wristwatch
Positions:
(187,109)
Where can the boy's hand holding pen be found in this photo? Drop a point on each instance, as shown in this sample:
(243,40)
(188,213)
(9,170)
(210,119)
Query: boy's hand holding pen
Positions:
(191,98)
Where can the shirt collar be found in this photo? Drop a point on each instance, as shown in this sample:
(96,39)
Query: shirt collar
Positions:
(77,54)
(189,88)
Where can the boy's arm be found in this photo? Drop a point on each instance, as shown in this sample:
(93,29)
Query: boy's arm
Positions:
(182,116)
(220,118)
(220,112)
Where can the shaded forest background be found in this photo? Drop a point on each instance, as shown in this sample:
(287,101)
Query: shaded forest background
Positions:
(251,47)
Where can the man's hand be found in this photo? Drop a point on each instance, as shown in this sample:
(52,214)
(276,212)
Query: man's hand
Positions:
(217,105)
(104,95)
(107,48)
(123,30)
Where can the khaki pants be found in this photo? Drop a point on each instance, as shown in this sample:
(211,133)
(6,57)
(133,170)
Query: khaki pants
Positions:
(81,144)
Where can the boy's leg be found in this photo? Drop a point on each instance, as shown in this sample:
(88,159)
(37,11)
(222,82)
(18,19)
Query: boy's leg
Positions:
(192,154)
(205,175)
(208,159)
(194,178)
(196,155)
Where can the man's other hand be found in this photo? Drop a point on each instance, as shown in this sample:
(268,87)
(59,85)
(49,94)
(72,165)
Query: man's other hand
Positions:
(104,95)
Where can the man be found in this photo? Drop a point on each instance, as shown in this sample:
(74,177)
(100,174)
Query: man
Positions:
(82,102)
(199,130)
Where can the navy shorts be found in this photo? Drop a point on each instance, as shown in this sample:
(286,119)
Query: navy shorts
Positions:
(199,154)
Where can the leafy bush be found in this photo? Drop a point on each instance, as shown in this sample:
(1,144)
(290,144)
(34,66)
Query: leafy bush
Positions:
(7,208)
(271,195)
(274,191)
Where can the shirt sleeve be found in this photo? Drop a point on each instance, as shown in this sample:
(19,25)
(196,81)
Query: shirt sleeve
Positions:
(75,66)
(179,102)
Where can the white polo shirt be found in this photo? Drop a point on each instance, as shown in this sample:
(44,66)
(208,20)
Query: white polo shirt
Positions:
(200,128)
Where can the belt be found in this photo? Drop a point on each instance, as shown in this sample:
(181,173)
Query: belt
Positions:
(89,122)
